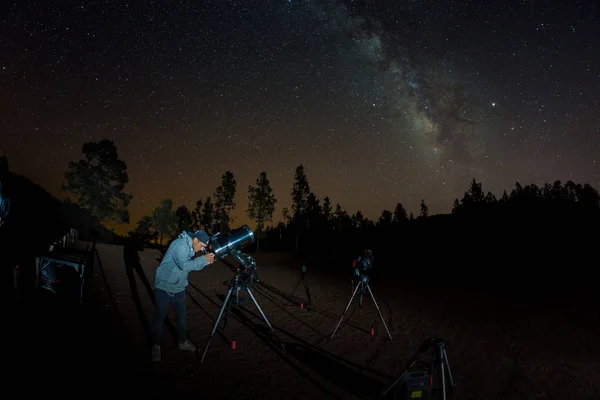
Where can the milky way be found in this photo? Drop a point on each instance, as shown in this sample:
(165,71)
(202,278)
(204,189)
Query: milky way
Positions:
(381,101)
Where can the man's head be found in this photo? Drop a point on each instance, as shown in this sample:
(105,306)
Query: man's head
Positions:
(200,240)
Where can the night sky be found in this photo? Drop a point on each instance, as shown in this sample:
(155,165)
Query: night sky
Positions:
(381,101)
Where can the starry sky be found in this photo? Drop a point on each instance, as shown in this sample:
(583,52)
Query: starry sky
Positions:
(382,101)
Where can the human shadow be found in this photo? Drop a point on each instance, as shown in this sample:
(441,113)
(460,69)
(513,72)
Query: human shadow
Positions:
(131,257)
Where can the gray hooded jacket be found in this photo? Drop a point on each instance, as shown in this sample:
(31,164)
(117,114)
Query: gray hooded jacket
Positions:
(172,273)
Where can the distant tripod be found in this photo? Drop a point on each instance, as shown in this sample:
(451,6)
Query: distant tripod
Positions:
(306,289)
(242,280)
(363,285)
(417,382)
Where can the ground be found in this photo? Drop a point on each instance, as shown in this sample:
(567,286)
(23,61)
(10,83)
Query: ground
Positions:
(495,350)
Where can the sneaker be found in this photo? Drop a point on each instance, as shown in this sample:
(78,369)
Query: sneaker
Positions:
(187,346)
(155,353)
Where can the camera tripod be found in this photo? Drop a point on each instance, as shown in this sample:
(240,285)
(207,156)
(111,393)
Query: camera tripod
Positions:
(243,280)
(306,289)
(416,382)
(363,285)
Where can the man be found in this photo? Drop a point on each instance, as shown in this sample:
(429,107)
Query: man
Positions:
(171,281)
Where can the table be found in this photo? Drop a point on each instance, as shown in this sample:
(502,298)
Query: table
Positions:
(63,257)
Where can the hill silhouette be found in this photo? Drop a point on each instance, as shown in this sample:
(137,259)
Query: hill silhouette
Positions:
(36,219)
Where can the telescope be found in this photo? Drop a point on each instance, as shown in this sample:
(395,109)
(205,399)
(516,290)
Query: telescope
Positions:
(245,276)
(363,264)
(237,239)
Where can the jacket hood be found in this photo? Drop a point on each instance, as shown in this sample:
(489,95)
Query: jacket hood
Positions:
(184,235)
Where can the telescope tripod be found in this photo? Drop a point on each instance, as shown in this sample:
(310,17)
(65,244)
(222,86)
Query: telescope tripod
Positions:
(363,285)
(306,289)
(238,284)
(416,381)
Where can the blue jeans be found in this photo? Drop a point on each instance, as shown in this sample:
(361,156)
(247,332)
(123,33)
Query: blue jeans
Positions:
(162,300)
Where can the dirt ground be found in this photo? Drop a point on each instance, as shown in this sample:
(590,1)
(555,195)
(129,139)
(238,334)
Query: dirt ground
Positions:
(495,351)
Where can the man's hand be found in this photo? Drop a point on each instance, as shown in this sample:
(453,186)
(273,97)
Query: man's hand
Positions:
(209,257)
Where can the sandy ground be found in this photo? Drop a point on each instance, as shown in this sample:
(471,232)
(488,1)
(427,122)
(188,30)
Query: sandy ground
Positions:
(495,351)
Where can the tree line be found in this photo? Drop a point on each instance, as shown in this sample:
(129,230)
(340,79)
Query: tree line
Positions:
(98,182)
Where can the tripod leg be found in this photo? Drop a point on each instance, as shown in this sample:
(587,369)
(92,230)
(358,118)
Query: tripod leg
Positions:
(443,376)
(345,311)
(361,288)
(264,317)
(307,293)
(228,312)
(225,303)
(398,380)
(448,368)
(394,384)
(378,310)
(361,294)
(296,286)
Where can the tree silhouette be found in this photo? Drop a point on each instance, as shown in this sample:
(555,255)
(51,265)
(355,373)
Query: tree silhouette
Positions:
(424,209)
(342,221)
(490,198)
(358,219)
(314,212)
(326,209)
(261,204)
(400,214)
(185,221)
(285,213)
(164,220)
(224,203)
(145,231)
(300,192)
(516,192)
(207,215)
(474,199)
(456,206)
(587,196)
(385,218)
(98,181)
(196,214)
